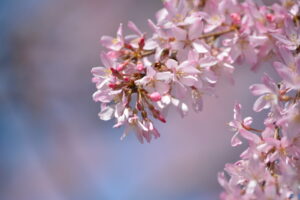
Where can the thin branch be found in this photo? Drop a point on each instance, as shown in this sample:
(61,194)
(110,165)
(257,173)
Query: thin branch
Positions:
(217,34)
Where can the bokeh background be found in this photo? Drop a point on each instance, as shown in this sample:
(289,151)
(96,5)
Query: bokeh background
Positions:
(52,144)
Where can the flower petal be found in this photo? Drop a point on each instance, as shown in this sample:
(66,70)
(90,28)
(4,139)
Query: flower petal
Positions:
(179,34)
(133,27)
(200,47)
(259,89)
(284,72)
(196,29)
(106,113)
(261,104)
(235,141)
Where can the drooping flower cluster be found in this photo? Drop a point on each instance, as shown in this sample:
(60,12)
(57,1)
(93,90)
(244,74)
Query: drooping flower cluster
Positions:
(194,43)
(270,167)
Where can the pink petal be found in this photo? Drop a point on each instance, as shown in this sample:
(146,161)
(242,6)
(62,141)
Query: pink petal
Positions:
(284,72)
(237,112)
(196,29)
(102,96)
(150,71)
(139,136)
(211,77)
(183,109)
(261,104)
(106,113)
(256,40)
(266,79)
(170,8)
(190,70)
(235,141)
(171,64)
(106,61)
(150,44)
(221,179)
(235,53)
(290,28)
(179,90)
(268,132)
(193,56)
(287,56)
(99,71)
(248,121)
(162,87)
(147,136)
(120,32)
(259,89)
(200,47)
(188,80)
(153,26)
(250,55)
(113,44)
(164,76)
(179,34)
(133,27)
(250,136)
(106,41)
(208,61)
(282,39)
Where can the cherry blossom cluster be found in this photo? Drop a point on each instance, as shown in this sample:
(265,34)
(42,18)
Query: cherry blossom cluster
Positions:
(193,44)
(270,167)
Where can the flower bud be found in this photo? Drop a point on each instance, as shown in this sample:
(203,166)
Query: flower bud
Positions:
(270,17)
(140,67)
(112,85)
(155,96)
(142,43)
(236,18)
(126,79)
(162,119)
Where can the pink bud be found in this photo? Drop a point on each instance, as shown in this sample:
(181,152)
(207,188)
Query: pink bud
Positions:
(270,17)
(126,79)
(142,42)
(140,67)
(128,46)
(139,106)
(236,18)
(122,66)
(155,96)
(112,85)
(162,119)
(113,70)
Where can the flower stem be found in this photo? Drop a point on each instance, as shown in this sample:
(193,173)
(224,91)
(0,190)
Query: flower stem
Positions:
(217,34)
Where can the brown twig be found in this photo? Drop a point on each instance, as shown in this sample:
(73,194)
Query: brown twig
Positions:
(217,34)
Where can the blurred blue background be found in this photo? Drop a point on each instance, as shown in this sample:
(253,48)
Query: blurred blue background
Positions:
(52,144)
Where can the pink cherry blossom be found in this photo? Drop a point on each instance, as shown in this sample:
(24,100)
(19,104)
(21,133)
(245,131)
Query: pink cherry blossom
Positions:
(114,44)
(189,39)
(241,126)
(291,36)
(290,70)
(268,92)
(194,43)
(187,34)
